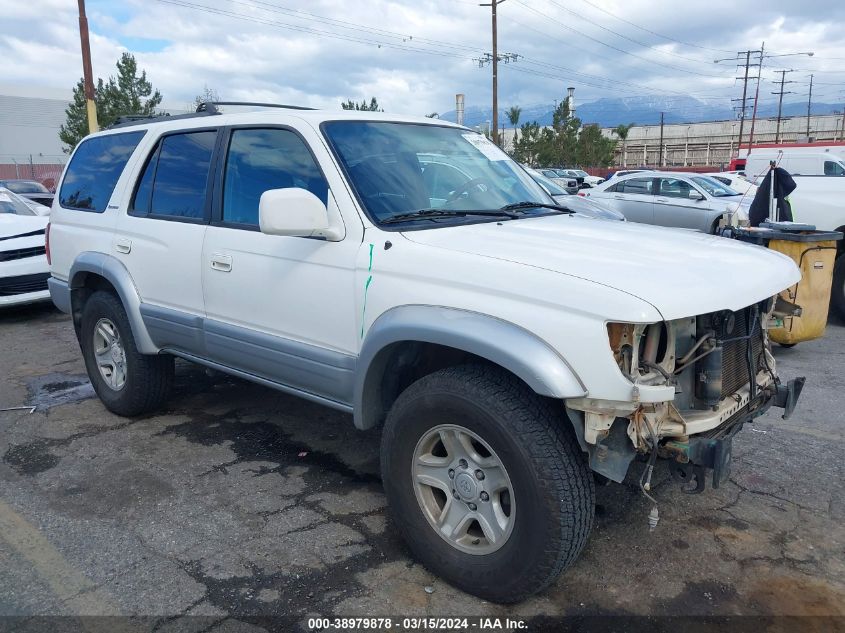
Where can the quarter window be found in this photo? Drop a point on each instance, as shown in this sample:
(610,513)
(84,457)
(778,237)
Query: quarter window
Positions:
(94,170)
(175,179)
(262,159)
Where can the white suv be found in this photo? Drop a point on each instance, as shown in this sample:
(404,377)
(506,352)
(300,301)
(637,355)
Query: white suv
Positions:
(408,272)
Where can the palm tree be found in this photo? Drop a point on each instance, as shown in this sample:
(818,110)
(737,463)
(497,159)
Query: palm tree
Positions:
(513,116)
(621,131)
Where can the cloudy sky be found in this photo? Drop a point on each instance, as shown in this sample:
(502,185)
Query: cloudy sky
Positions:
(414,55)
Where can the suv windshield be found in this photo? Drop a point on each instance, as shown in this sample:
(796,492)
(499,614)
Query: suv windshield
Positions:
(398,169)
(714,187)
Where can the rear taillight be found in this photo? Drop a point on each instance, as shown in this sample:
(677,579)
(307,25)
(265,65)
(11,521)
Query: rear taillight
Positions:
(582,194)
(47,243)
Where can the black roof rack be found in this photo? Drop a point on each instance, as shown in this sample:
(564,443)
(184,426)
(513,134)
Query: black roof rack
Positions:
(206,108)
(211,106)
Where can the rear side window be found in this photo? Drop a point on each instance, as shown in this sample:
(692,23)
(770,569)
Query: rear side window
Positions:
(636,185)
(175,179)
(94,170)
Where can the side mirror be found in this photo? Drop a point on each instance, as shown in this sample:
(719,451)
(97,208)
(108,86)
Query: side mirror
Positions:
(695,195)
(293,211)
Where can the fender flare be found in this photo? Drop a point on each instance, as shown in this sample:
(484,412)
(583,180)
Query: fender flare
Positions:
(501,342)
(113,270)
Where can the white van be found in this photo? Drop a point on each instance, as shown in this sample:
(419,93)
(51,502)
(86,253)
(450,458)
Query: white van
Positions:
(796,162)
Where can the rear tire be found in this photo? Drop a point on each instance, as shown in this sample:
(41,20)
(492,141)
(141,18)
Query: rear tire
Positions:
(546,497)
(128,383)
(837,291)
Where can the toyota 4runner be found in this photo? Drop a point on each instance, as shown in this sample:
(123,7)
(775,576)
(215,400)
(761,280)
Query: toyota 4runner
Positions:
(408,272)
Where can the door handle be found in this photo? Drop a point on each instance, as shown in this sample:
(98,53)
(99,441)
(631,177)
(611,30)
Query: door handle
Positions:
(619,197)
(223,263)
(123,245)
(661,200)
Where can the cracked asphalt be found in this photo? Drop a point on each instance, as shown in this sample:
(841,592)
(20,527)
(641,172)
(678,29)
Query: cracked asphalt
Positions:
(237,501)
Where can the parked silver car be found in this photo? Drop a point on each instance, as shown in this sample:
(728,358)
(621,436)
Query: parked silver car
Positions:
(685,200)
(569,183)
(574,202)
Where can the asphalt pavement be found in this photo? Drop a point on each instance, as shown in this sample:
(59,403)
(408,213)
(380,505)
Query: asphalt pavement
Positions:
(237,501)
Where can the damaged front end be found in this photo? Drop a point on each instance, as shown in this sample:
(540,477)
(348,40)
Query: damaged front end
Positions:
(694,383)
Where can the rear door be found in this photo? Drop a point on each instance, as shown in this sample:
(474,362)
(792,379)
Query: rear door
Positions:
(160,238)
(634,199)
(673,206)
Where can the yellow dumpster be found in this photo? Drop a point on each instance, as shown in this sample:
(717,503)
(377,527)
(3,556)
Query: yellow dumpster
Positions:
(814,252)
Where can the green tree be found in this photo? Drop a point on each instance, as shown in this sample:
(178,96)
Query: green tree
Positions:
(526,147)
(372,106)
(622,131)
(594,149)
(433,115)
(513,115)
(126,94)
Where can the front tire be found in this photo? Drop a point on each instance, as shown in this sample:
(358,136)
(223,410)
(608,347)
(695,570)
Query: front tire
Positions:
(485,482)
(128,382)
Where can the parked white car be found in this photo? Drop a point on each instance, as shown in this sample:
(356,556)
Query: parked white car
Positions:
(507,347)
(584,177)
(678,199)
(737,182)
(23,265)
(797,162)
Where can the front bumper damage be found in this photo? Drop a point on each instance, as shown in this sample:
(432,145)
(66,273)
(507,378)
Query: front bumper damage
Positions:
(695,430)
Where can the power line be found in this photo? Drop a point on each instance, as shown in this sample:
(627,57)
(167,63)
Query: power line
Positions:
(660,35)
(624,37)
(616,48)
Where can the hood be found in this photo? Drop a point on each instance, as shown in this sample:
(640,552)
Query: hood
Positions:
(588,207)
(13,225)
(681,273)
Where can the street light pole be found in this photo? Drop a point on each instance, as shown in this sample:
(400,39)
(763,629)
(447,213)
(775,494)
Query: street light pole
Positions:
(87,73)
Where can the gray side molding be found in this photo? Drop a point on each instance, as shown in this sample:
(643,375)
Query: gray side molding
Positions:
(501,342)
(115,272)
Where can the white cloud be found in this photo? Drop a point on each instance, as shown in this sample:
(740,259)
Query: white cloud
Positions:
(259,49)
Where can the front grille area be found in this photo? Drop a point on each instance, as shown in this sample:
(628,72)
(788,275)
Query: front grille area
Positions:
(23,284)
(725,370)
(22,253)
(735,354)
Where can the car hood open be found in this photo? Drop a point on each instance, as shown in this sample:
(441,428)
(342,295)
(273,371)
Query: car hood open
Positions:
(681,273)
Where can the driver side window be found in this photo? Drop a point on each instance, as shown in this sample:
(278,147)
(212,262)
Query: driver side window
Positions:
(262,159)
(833,169)
(674,188)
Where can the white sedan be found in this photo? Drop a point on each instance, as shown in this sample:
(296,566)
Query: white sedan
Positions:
(737,182)
(23,261)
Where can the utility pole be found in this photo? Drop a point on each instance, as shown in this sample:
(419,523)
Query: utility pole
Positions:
(780,94)
(756,96)
(87,73)
(494,62)
(660,152)
(809,106)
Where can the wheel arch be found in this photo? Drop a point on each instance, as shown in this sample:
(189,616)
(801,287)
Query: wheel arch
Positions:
(93,271)
(432,337)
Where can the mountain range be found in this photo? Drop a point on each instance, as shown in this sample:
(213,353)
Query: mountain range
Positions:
(642,110)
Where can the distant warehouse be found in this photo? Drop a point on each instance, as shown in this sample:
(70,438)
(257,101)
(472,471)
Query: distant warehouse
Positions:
(30,118)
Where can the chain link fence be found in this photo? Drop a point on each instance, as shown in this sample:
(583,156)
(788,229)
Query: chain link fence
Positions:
(43,168)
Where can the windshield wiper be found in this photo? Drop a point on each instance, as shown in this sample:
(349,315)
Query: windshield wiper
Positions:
(517,206)
(446,213)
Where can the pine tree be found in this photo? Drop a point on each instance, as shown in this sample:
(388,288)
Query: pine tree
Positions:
(372,106)
(125,94)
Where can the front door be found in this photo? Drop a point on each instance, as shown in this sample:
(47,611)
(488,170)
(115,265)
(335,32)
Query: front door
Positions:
(674,207)
(278,307)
